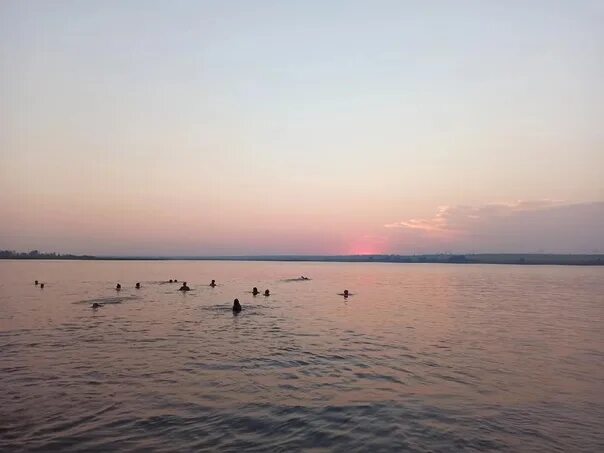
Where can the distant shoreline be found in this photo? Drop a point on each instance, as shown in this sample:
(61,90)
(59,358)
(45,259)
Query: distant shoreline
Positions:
(481,258)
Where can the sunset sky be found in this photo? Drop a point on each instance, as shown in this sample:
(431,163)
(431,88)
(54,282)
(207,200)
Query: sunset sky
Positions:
(306,127)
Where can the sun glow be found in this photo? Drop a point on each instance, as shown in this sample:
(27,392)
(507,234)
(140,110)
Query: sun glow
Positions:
(367,246)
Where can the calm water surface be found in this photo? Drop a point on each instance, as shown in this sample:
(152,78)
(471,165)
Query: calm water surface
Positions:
(420,358)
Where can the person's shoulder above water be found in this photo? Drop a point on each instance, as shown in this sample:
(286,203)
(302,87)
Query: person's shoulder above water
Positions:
(184,287)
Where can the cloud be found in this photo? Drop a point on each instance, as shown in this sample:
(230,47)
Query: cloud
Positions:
(458,218)
(436,223)
(547,225)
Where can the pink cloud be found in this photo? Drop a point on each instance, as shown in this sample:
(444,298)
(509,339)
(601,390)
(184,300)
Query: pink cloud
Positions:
(542,225)
(458,218)
(435,224)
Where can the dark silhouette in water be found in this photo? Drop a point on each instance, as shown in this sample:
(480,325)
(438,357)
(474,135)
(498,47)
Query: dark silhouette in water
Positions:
(36,282)
(138,286)
(184,287)
(41,285)
(96,305)
(118,287)
(213,283)
(170,281)
(236,306)
(267,293)
(345,294)
(255,291)
(176,281)
(302,277)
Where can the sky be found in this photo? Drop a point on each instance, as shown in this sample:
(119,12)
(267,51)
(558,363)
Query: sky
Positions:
(246,127)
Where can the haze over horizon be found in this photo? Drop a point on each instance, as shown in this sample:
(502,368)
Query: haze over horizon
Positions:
(256,128)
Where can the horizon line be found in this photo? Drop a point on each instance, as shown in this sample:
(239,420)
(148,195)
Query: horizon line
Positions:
(594,259)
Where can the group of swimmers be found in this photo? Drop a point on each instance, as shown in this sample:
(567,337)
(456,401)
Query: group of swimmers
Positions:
(118,287)
(255,292)
(184,286)
(236,304)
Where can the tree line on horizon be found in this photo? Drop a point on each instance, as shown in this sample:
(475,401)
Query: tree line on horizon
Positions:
(36,255)
(480,258)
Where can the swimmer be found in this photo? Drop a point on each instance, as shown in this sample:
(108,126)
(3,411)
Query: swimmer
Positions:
(236,306)
(267,293)
(302,277)
(96,305)
(170,281)
(255,291)
(213,283)
(41,285)
(118,287)
(36,282)
(184,287)
(138,286)
(176,281)
(345,293)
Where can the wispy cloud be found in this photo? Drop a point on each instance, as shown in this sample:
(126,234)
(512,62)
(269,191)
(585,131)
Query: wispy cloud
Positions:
(547,225)
(434,224)
(458,218)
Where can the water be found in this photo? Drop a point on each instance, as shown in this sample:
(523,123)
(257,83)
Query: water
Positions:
(420,358)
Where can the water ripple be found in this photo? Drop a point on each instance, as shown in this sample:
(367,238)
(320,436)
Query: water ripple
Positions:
(424,358)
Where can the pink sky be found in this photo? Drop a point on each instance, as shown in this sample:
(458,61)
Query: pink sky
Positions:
(324,128)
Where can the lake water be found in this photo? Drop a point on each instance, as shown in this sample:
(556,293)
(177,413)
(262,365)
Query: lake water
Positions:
(420,358)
